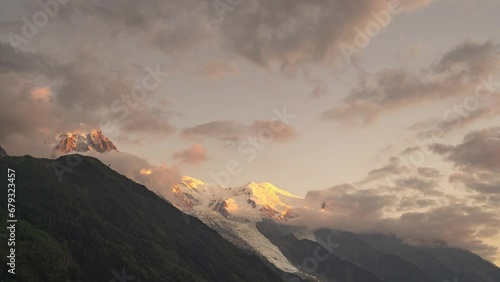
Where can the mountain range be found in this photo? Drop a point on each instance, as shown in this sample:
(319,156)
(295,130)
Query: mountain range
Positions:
(96,224)
(81,142)
(254,216)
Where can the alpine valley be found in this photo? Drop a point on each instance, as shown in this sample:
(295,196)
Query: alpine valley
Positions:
(95,224)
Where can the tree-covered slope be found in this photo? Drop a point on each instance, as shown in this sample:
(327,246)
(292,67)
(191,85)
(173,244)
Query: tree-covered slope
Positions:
(96,224)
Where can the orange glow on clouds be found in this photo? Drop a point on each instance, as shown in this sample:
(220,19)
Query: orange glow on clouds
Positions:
(41,94)
(146,171)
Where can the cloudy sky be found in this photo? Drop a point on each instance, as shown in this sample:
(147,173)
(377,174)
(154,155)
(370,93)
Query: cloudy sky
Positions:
(387,109)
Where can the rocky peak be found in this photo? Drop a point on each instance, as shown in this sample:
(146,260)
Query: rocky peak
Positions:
(99,142)
(79,142)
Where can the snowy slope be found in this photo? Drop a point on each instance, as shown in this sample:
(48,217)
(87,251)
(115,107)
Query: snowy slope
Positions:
(234,212)
(244,234)
(251,201)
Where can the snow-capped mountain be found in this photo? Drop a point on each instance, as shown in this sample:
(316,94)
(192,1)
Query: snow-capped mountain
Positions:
(235,211)
(80,142)
(252,201)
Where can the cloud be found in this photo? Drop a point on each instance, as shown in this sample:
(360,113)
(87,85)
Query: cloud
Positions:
(412,203)
(234,131)
(41,94)
(148,121)
(360,204)
(157,179)
(458,225)
(479,150)
(280,131)
(456,73)
(214,129)
(194,155)
(318,91)
(422,185)
(18,62)
(53,96)
(28,110)
(440,148)
(429,172)
(173,27)
(433,129)
(486,184)
(411,53)
(410,150)
(413,206)
(476,160)
(393,168)
(480,104)
(215,69)
(297,31)
(417,220)
(263,32)
(470,57)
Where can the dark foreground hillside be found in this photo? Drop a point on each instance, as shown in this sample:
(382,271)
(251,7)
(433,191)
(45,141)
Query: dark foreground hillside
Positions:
(97,225)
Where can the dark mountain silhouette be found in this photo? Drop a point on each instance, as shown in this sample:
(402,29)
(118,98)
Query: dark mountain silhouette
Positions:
(389,267)
(313,258)
(96,224)
(440,263)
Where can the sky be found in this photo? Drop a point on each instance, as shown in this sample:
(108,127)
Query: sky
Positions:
(387,109)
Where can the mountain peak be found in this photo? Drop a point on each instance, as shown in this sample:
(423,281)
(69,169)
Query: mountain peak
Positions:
(80,142)
(252,201)
(266,187)
(192,182)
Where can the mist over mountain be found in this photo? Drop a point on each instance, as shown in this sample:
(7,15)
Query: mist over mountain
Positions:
(385,257)
(356,117)
(263,218)
(93,223)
